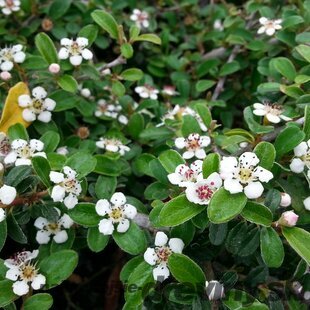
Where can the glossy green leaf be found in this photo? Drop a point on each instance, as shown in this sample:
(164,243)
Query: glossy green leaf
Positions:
(85,214)
(106,21)
(257,213)
(41,301)
(46,47)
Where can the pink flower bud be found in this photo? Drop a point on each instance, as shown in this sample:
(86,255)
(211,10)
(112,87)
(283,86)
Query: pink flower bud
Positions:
(285,200)
(54,68)
(288,218)
(5,75)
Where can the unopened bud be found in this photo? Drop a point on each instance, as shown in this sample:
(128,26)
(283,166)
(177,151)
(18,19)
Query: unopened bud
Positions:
(47,24)
(106,72)
(54,68)
(63,150)
(214,290)
(307,203)
(288,218)
(5,75)
(285,200)
(85,92)
(83,132)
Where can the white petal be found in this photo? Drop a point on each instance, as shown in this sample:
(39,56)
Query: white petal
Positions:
(150,256)
(7,66)
(118,199)
(29,115)
(24,101)
(273,118)
(214,180)
(130,211)
(270,31)
(191,194)
(307,203)
(49,104)
(7,194)
(259,112)
(204,141)
(233,186)
(2,215)
(61,237)
(301,149)
(56,177)
(228,165)
(66,42)
(12,273)
(39,92)
(66,221)
(23,162)
(38,282)
(70,201)
(63,53)
(19,143)
(259,106)
(103,207)
(161,238)
(106,227)
(20,288)
(69,172)
(161,272)
(111,148)
(263,20)
(19,57)
(180,143)
(81,41)
(263,175)
(249,159)
(87,54)
(40,222)
(261,30)
(36,145)
(297,165)
(176,245)
(254,190)
(76,60)
(123,226)
(200,153)
(174,178)
(58,193)
(188,154)
(43,237)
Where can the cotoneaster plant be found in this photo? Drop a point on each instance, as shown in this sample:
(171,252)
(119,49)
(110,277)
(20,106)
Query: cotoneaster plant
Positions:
(154,155)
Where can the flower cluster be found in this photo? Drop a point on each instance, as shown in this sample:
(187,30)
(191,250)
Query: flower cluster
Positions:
(37,107)
(112,145)
(11,55)
(111,111)
(147,91)
(116,212)
(9,6)
(141,18)
(272,112)
(302,157)
(269,26)
(24,273)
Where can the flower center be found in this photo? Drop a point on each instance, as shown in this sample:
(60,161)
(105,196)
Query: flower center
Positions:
(7,55)
(5,147)
(163,253)
(28,272)
(189,174)
(37,104)
(9,3)
(245,175)
(53,227)
(306,158)
(24,152)
(70,185)
(193,144)
(204,192)
(75,49)
(116,214)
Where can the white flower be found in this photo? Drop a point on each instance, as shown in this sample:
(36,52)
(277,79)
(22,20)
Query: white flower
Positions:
(147,91)
(194,145)
(75,50)
(24,273)
(112,145)
(273,112)
(57,228)
(11,55)
(169,90)
(117,212)
(159,255)
(9,6)
(63,150)
(7,194)
(307,203)
(111,111)
(184,174)
(214,290)
(38,107)
(286,200)
(2,215)
(269,26)
(67,188)
(202,191)
(22,152)
(244,175)
(5,75)
(54,68)
(141,18)
(218,25)
(5,145)
(302,157)
(85,92)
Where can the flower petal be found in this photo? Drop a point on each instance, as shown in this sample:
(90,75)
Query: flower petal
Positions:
(123,226)
(150,256)
(176,245)
(254,190)
(106,226)
(20,288)
(233,186)
(103,207)
(61,236)
(161,238)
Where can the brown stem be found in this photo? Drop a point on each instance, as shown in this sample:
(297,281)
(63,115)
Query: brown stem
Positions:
(120,60)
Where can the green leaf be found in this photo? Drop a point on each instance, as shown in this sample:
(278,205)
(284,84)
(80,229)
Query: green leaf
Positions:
(306,128)
(41,301)
(271,247)
(266,153)
(204,85)
(17,175)
(58,266)
(96,240)
(185,270)
(18,131)
(149,37)
(107,166)
(105,187)
(85,214)
(253,125)
(126,50)
(269,87)
(225,206)
(170,159)
(229,68)
(68,83)
(58,8)
(90,32)
(51,140)
(204,113)
(82,162)
(14,230)
(118,88)
(46,48)
(106,22)
(132,74)
(210,164)
(178,210)
(285,67)
(133,241)
(67,245)
(304,51)
(7,296)
(3,234)
(257,213)
(288,139)
(217,233)
(299,240)
(42,168)
(135,125)
(129,268)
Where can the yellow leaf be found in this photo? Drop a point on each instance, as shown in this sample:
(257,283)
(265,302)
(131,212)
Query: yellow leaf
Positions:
(12,112)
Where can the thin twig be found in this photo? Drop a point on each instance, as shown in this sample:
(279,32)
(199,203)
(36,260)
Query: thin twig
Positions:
(216,53)
(120,60)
